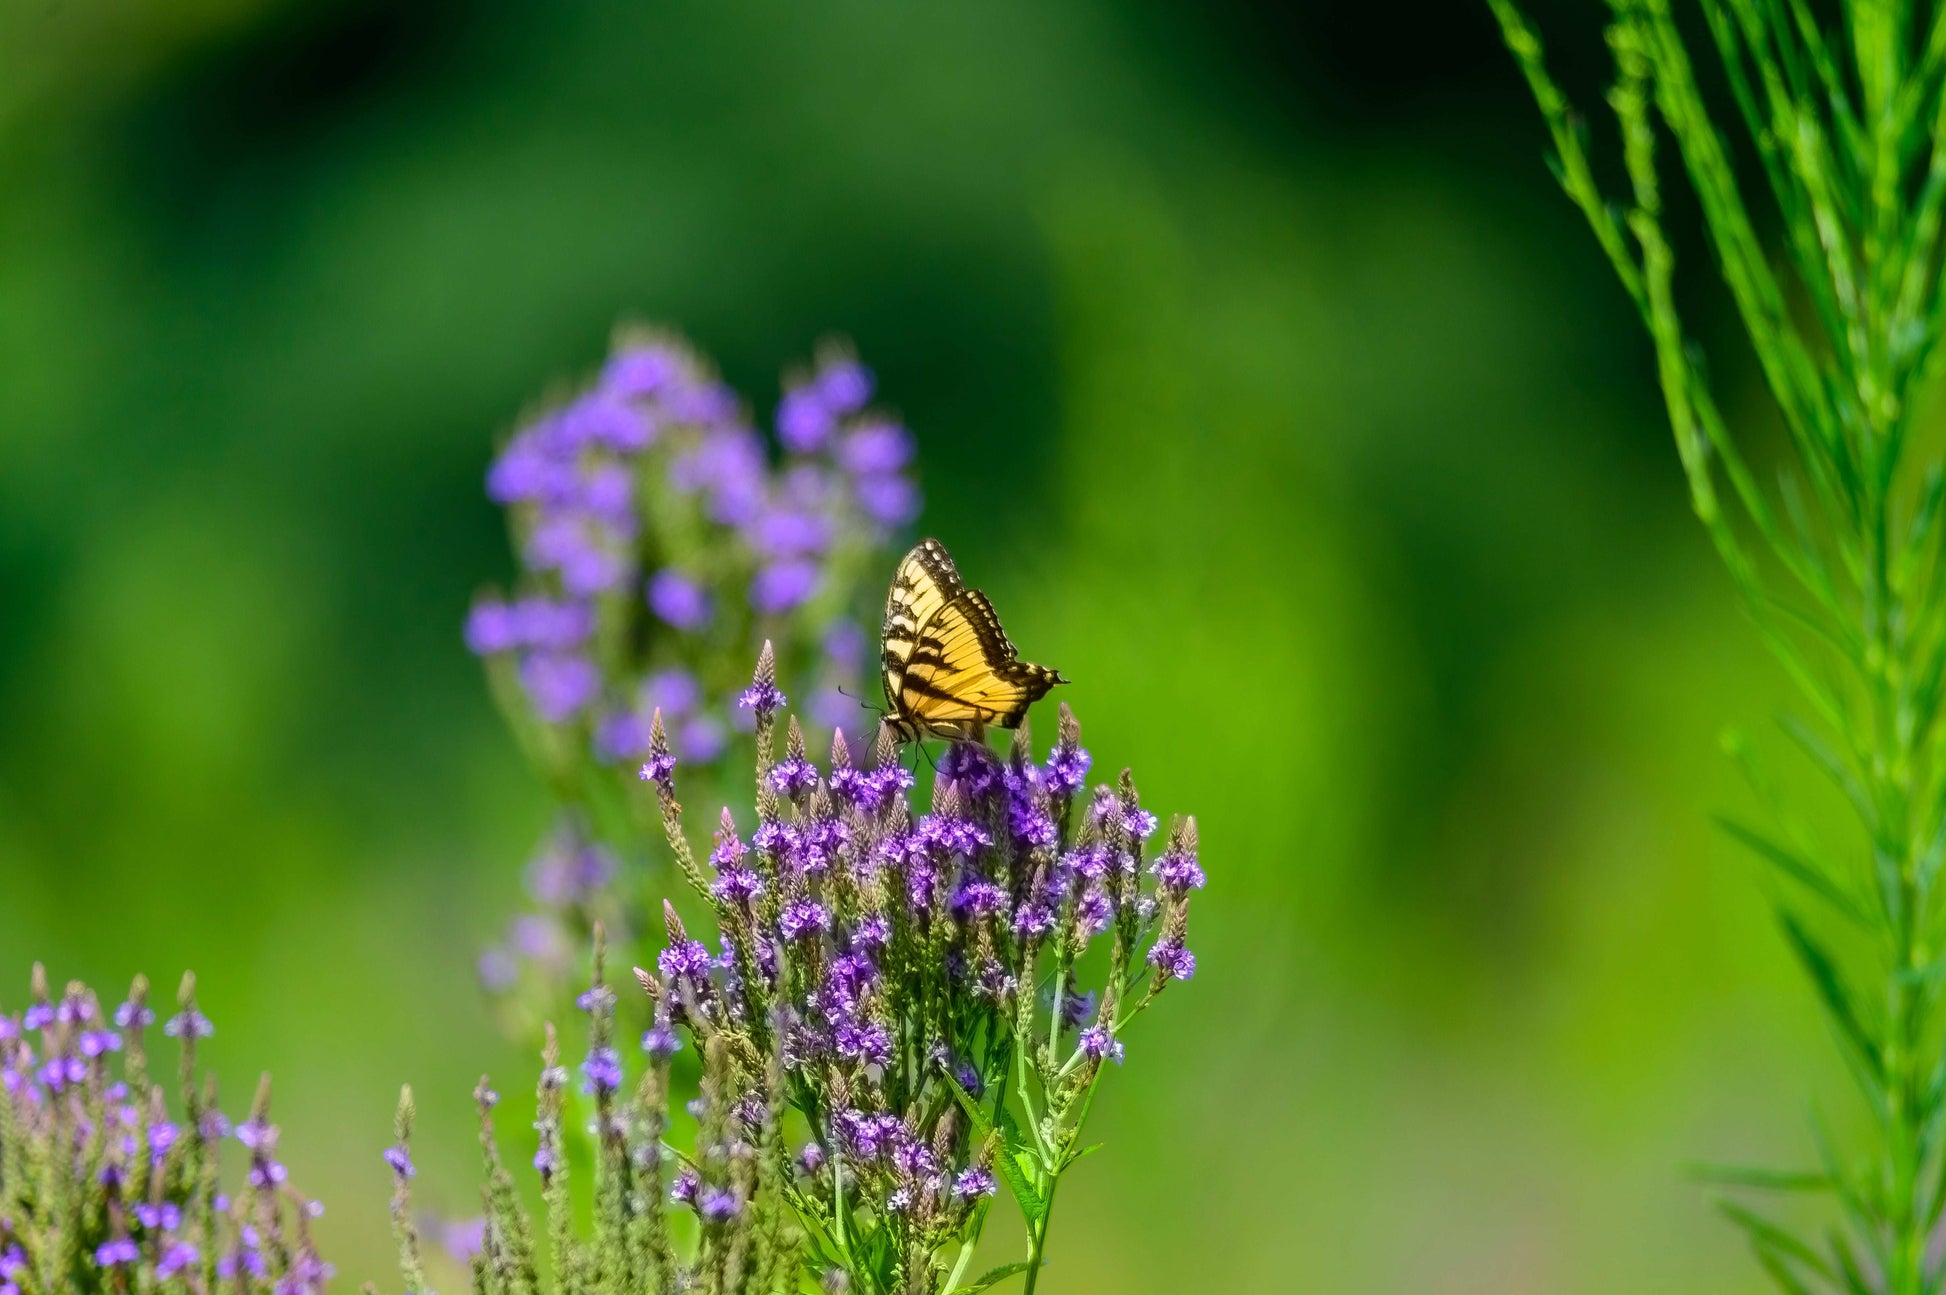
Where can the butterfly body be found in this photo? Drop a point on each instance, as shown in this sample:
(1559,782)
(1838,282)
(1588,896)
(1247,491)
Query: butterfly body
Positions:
(949,669)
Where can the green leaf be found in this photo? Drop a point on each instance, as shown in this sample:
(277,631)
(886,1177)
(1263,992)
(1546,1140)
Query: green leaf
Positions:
(1017,1164)
(1798,869)
(1837,999)
(1854,1275)
(1833,766)
(1787,1281)
(994,1276)
(969,1104)
(1019,1180)
(1773,1240)
(1772,1180)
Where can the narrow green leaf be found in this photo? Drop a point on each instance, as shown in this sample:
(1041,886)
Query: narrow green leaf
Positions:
(1770,1180)
(1834,766)
(1767,1236)
(969,1104)
(1854,1276)
(1798,869)
(1787,1281)
(994,1276)
(1837,999)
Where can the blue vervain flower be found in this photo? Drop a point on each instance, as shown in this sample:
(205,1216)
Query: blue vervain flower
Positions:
(108,1182)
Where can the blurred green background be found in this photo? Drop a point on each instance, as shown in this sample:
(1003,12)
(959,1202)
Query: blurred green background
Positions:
(1347,502)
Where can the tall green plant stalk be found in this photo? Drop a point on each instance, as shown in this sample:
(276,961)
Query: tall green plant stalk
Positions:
(1820,180)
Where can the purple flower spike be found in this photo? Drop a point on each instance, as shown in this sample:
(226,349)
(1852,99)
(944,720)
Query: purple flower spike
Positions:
(761,696)
(95,1042)
(1178,873)
(805,917)
(1173,960)
(602,1071)
(176,1258)
(130,1016)
(688,958)
(1097,1042)
(401,1161)
(121,1250)
(661,1042)
(976,1181)
(188,1024)
(165,1217)
(1067,768)
(793,778)
(718,1206)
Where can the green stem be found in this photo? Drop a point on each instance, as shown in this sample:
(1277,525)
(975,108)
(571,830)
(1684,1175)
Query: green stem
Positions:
(1037,1237)
(965,1258)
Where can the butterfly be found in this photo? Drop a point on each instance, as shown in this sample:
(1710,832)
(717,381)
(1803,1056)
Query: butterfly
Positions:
(948,667)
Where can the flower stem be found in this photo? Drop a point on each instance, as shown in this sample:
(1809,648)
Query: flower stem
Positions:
(1037,1238)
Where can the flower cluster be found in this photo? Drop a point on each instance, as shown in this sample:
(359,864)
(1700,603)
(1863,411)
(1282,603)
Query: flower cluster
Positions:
(713,1220)
(660,537)
(918,972)
(103,1186)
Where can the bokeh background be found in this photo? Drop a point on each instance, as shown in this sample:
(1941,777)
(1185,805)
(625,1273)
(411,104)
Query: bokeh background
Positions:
(1260,375)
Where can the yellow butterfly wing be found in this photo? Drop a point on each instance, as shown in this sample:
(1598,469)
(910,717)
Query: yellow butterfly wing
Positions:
(964,674)
(925,582)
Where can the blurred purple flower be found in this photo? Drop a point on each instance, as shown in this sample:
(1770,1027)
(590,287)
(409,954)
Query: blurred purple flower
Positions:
(678,600)
(560,685)
(844,386)
(889,500)
(782,586)
(876,450)
(804,421)
(491,627)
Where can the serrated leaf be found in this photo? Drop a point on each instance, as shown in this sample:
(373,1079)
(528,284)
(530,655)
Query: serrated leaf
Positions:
(994,1276)
(1019,1177)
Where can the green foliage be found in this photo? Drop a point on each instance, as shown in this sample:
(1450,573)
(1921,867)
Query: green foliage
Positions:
(1841,564)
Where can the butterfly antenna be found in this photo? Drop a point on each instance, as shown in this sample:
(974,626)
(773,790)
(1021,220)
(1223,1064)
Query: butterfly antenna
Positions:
(873,707)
